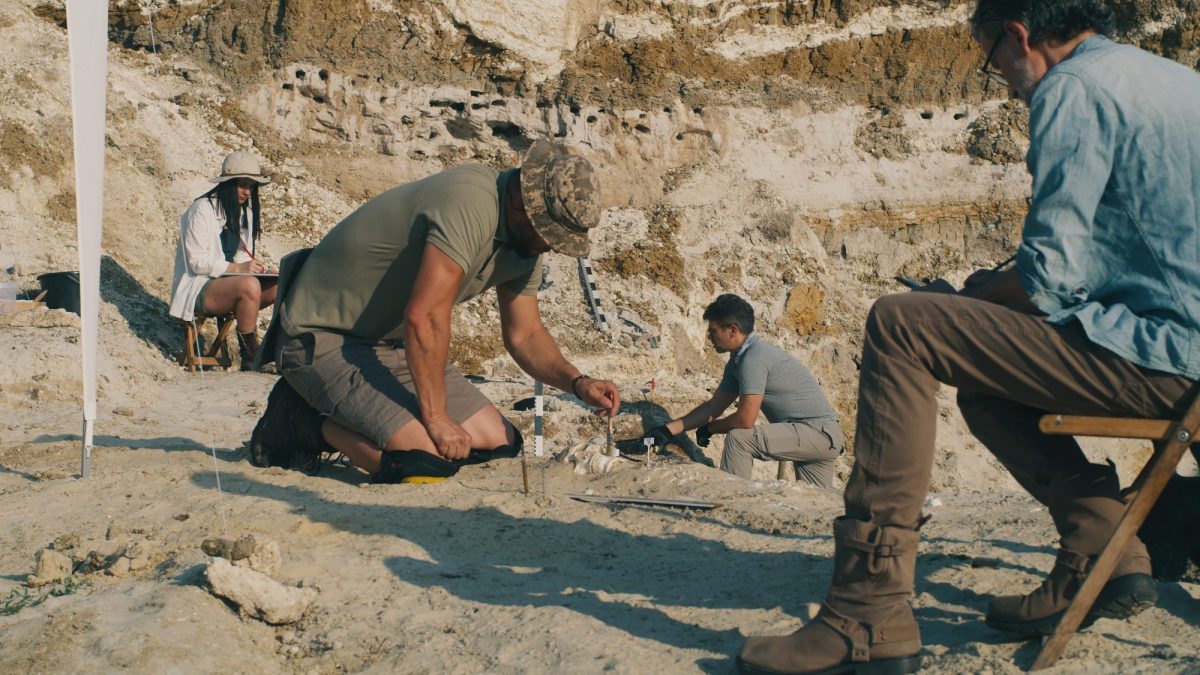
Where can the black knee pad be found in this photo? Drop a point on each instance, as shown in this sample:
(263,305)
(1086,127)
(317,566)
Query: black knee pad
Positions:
(396,465)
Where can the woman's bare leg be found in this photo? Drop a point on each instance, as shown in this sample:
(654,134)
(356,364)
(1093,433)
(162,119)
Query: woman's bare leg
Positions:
(240,295)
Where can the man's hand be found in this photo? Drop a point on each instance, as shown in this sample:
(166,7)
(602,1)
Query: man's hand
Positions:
(601,394)
(1002,288)
(703,436)
(660,435)
(451,440)
(936,286)
(248,266)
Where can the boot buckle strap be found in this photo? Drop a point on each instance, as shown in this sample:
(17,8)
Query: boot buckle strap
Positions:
(1073,561)
(859,638)
(878,550)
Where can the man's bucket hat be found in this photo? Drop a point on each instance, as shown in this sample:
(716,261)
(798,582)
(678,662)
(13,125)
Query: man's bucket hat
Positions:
(241,165)
(560,190)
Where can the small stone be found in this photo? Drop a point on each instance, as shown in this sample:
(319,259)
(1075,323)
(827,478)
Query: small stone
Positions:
(182,516)
(123,411)
(256,595)
(243,548)
(50,566)
(217,547)
(114,531)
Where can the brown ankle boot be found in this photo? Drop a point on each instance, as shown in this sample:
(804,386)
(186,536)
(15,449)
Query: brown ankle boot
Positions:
(248,348)
(1086,509)
(865,624)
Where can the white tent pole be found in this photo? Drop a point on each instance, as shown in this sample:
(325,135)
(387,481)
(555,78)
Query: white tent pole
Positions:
(87,31)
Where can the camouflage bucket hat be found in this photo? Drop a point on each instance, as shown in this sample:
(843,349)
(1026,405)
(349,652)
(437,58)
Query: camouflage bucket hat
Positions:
(560,191)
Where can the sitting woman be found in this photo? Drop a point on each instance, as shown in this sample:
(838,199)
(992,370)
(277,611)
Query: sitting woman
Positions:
(215,262)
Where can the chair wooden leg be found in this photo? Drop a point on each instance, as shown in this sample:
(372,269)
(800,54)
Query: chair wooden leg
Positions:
(1147,488)
(220,349)
(191,358)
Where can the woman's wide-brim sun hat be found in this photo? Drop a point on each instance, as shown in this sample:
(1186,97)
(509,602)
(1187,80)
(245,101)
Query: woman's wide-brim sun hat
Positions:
(241,165)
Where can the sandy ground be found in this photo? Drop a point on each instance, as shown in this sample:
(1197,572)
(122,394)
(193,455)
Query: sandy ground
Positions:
(807,210)
(471,575)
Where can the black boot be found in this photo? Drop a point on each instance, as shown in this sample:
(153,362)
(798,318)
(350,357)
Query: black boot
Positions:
(247,348)
(289,432)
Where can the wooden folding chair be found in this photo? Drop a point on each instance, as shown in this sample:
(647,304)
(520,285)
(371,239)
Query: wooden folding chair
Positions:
(217,353)
(1172,438)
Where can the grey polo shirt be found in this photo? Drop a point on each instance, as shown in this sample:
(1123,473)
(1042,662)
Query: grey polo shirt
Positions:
(790,393)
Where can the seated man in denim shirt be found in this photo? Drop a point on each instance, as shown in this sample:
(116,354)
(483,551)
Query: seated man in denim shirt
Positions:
(1099,316)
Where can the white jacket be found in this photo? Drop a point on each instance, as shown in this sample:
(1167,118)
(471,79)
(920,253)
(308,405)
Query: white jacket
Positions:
(199,257)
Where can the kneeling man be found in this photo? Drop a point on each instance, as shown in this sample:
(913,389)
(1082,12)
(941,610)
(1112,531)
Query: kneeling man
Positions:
(365,322)
(802,427)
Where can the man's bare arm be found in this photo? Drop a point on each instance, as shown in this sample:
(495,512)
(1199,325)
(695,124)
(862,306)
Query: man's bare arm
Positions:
(537,353)
(703,413)
(743,418)
(427,343)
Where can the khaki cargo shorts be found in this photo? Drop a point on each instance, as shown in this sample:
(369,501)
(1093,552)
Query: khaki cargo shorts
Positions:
(366,386)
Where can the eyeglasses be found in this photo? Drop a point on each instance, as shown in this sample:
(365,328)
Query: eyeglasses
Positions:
(993,75)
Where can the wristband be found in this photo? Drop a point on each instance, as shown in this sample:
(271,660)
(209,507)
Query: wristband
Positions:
(575,385)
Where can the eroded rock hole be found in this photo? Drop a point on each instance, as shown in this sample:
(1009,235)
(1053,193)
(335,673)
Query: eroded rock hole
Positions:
(323,74)
(591,119)
(926,115)
(288,86)
(300,74)
(318,99)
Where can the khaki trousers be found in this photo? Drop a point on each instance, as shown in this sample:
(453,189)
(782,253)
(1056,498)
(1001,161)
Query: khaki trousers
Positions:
(1009,368)
(810,447)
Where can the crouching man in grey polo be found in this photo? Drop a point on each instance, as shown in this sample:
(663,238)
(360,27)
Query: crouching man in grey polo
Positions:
(364,324)
(802,427)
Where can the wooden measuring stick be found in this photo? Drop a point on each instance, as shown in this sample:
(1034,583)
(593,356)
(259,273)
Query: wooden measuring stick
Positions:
(524,471)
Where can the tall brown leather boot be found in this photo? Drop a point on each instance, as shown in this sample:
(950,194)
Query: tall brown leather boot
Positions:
(1086,507)
(865,624)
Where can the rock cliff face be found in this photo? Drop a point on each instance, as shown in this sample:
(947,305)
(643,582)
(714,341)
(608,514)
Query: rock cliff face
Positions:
(799,154)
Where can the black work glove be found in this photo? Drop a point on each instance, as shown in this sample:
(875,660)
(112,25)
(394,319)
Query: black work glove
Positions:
(703,436)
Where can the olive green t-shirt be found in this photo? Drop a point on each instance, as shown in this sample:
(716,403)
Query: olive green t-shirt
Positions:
(359,278)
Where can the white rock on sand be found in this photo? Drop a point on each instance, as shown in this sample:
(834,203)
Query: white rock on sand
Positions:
(256,595)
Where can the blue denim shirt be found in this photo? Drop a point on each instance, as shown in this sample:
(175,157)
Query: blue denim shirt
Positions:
(1112,238)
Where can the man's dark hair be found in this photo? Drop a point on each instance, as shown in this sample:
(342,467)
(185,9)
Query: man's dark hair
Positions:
(730,310)
(1059,20)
